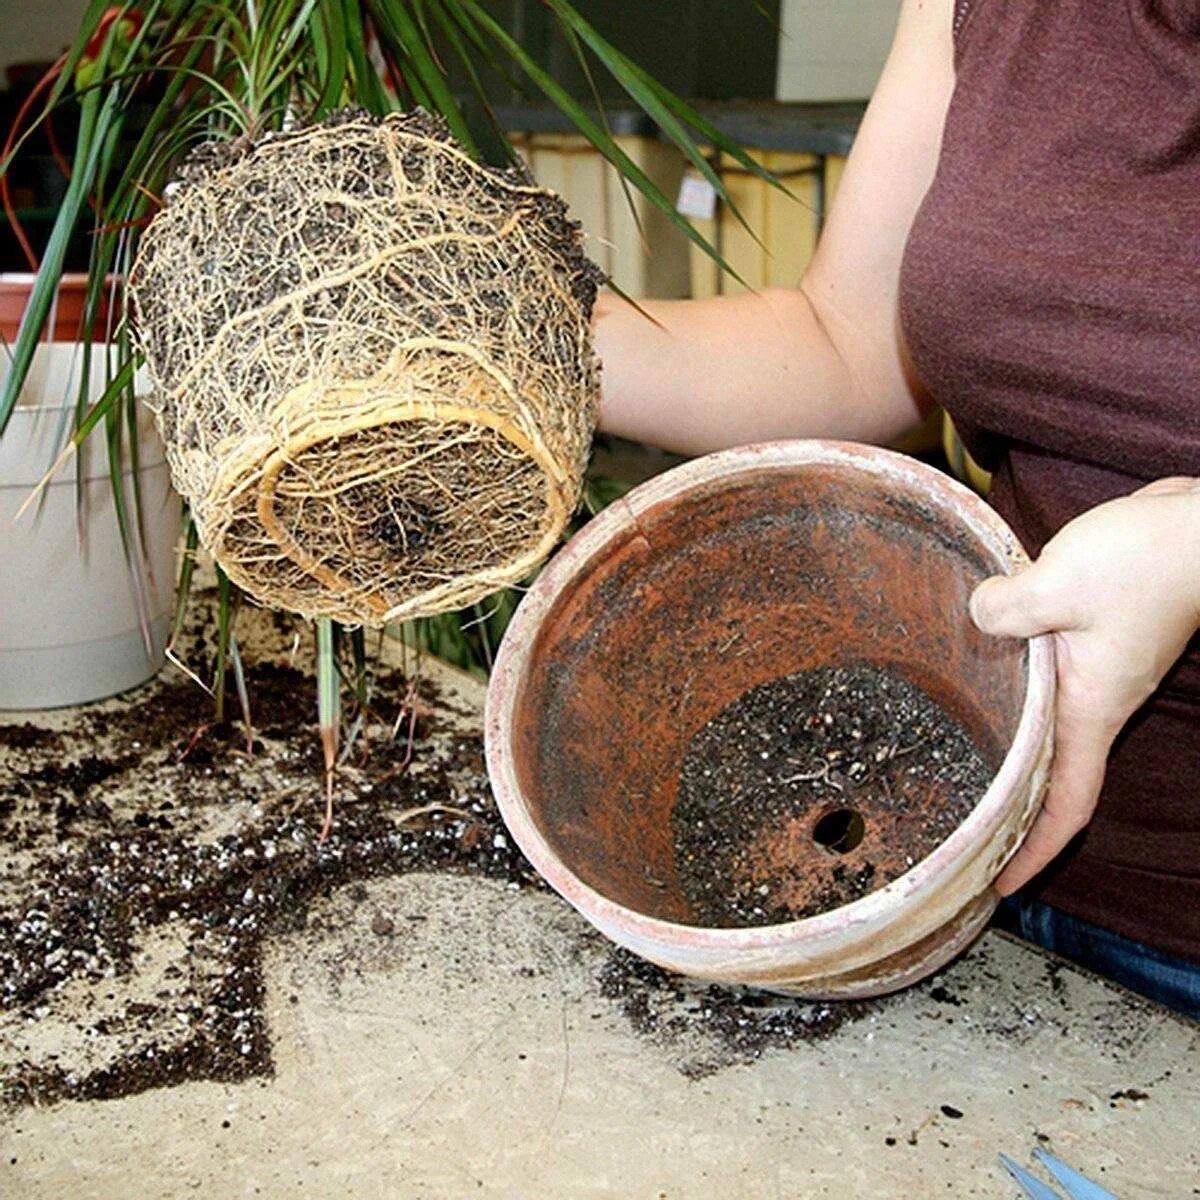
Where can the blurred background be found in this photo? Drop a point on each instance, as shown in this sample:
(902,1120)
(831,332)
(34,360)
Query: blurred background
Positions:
(787,78)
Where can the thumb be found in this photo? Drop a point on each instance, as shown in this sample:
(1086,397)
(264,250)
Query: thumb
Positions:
(1014,605)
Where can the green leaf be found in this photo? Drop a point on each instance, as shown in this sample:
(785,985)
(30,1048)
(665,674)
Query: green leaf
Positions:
(599,491)
(590,130)
(224,626)
(329,709)
(299,23)
(623,72)
(132,406)
(450,13)
(99,411)
(358,651)
(581,58)
(95,119)
(274,55)
(329,688)
(187,568)
(480,617)
(709,132)
(392,43)
(368,89)
(100,120)
(329,42)
(114,435)
(243,693)
(454,36)
(396,25)
(443,637)
(106,402)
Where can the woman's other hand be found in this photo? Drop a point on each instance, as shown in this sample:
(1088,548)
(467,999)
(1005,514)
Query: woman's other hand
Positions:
(1119,590)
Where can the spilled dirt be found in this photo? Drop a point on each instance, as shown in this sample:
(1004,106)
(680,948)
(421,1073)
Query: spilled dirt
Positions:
(153,856)
(152,860)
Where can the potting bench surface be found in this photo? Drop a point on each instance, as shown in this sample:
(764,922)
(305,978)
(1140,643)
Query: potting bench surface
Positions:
(471,1048)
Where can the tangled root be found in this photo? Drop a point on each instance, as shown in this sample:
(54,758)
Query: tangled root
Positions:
(372,365)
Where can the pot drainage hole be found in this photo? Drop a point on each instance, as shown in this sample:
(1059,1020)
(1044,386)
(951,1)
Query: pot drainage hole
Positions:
(840,830)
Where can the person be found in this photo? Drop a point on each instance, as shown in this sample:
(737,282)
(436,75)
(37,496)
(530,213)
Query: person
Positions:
(1017,238)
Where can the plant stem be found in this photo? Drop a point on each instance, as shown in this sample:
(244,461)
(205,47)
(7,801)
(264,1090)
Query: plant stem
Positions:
(329,699)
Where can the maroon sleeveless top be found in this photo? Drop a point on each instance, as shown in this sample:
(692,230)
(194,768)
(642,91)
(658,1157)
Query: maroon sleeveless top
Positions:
(1050,297)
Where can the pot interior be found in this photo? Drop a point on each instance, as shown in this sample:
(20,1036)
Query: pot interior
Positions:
(709,594)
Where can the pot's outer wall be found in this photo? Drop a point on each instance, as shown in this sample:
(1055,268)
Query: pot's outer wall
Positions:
(724,574)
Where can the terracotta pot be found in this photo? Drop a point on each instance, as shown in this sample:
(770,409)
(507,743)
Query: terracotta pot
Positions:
(15,287)
(75,623)
(714,578)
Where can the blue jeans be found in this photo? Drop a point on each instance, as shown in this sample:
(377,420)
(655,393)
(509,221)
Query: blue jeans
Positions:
(1171,981)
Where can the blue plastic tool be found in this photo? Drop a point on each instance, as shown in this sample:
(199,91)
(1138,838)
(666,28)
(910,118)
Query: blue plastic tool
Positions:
(1078,1187)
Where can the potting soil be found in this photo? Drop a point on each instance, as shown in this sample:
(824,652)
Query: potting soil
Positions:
(813,790)
(151,857)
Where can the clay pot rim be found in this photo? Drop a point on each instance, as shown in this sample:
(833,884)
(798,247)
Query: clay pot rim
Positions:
(876,909)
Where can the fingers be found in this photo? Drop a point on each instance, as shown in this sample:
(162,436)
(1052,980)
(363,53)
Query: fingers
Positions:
(1080,756)
(1022,606)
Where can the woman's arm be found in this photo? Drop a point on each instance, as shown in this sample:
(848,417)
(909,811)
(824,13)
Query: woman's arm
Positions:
(825,358)
(1119,588)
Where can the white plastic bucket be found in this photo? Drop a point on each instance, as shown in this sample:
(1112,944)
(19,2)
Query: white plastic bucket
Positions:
(77,621)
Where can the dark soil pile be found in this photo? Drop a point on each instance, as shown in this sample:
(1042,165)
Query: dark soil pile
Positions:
(171,830)
(149,859)
(813,790)
(720,1026)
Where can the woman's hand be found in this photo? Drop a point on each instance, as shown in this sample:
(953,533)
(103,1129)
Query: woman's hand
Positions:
(1119,589)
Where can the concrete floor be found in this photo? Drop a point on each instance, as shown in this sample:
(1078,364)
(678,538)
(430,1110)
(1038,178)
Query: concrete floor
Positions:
(473,1055)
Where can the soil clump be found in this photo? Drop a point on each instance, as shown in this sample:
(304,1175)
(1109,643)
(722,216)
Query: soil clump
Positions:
(813,790)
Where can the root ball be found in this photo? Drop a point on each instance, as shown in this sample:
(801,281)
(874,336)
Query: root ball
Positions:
(372,365)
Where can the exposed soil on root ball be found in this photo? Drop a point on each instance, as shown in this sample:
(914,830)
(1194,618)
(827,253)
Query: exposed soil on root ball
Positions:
(371,362)
(811,791)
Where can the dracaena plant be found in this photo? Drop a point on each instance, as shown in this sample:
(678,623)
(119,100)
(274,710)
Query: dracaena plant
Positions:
(194,71)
